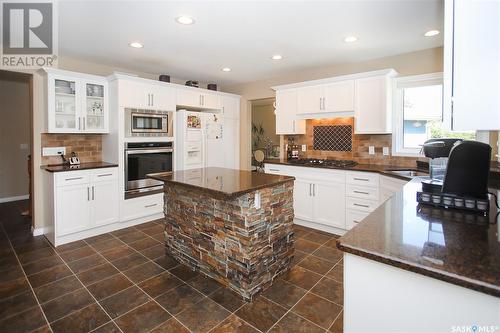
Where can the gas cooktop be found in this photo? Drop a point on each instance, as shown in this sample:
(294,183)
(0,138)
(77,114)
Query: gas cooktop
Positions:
(324,162)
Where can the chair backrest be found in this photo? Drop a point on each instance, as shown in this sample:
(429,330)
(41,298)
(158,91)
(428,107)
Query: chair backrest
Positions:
(259,155)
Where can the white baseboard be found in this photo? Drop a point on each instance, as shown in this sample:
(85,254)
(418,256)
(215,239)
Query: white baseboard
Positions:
(320,227)
(38,231)
(17,198)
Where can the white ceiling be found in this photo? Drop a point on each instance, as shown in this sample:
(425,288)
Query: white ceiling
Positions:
(243,35)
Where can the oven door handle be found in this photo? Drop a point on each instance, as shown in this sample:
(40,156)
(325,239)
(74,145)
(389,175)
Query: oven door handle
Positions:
(148,151)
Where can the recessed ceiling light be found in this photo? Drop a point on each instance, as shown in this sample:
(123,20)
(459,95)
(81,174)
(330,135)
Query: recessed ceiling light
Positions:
(431,33)
(226,69)
(350,39)
(186,20)
(136,45)
(277,57)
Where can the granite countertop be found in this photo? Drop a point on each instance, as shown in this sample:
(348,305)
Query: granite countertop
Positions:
(450,245)
(226,183)
(382,169)
(81,166)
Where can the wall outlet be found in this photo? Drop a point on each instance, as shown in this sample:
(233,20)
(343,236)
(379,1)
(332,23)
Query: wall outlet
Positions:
(304,147)
(385,151)
(53,151)
(371,150)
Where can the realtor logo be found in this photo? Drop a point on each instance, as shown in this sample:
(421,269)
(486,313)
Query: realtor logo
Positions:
(28,34)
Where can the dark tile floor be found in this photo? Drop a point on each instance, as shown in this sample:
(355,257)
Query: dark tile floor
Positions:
(124,282)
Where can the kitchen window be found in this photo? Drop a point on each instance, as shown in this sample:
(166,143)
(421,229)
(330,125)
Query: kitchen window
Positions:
(418,114)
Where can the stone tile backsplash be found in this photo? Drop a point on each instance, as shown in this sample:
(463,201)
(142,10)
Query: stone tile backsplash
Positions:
(360,144)
(88,147)
(332,138)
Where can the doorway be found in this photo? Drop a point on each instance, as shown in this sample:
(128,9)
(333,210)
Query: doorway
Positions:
(16,142)
(264,137)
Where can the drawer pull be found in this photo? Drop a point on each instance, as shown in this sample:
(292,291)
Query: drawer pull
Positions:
(274,170)
(74,178)
(355,221)
(362,179)
(360,205)
(361,192)
(105,175)
(149,206)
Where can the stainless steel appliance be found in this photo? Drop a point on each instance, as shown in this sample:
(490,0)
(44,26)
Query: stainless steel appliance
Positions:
(324,162)
(142,158)
(148,123)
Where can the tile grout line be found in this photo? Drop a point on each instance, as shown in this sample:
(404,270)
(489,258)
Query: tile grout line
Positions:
(186,283)
(308,291)
(26,277)
(135,284)
(85,287)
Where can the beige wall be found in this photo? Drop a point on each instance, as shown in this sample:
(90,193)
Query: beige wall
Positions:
(264,115)
(14,132)
(421,62)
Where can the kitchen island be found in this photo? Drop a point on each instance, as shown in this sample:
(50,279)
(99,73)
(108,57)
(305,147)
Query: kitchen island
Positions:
(411,267)
(234,226)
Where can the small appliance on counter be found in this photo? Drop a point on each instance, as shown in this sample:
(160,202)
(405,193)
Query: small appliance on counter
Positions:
(74,160)
(459,171)
(292,150)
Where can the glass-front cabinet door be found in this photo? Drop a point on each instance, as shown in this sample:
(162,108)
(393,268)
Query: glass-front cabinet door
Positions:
(65,106)
(94,112)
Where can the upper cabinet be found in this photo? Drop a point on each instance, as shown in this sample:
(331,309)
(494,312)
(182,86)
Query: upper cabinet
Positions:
(286,113)
(373,105)
(198,99)
(76,103)
(471,65)
(333,97)
(364,96)
(146,96)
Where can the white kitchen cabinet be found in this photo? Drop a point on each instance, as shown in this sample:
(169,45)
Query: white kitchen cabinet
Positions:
(339,96)
(333,97)
(303,200)
(309,100)
(105,201)
(286,113)
(329,203)
(373,105)
(76,102)
(198,99)
(134,94)
(471,75)
(72,208)
(231,107)
(80,201)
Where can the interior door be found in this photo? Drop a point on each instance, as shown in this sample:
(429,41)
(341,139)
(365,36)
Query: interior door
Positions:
(72,209)
(302,200)
(329,204)
(309,100)
(339,96)
(104,203)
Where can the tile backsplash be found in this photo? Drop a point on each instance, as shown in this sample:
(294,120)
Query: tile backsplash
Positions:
(328,147)
(88,147)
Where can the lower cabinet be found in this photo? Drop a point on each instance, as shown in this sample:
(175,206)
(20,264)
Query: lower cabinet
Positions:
(336,198)
(82,200)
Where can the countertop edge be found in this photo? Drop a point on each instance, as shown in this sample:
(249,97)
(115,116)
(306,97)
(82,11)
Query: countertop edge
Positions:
(361,169)
(81,166)
(224,195)
(455,279)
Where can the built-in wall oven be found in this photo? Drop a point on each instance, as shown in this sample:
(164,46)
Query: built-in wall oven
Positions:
(148,123)
(142,158)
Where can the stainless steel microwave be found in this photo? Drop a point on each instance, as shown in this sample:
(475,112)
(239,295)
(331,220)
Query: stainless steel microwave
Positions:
(148,123)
